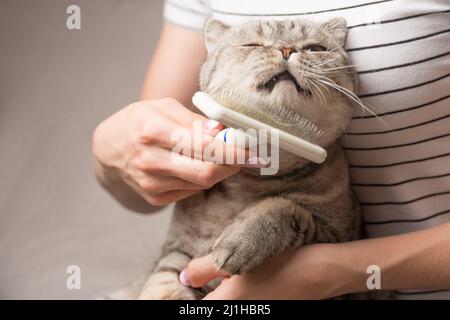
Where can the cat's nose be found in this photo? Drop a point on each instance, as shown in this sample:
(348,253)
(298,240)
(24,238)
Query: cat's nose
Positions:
(286,52)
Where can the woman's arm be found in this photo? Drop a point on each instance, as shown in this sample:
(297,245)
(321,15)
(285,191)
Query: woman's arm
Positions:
(416,260)
(175,66)
(173,72)
(133,148)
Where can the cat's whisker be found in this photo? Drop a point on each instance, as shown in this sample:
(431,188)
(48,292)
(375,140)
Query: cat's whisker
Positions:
(354,98)
(333,84)
(345,91)
(323,86)
(341,67)
(313,92)
(336,69)
(327,54)
(311,76)
(321,95)
(322,62)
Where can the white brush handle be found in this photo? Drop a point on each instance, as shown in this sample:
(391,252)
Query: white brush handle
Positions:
(298,146)
(237,137)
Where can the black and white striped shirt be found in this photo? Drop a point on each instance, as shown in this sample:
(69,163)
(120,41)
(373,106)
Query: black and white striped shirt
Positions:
(400,158)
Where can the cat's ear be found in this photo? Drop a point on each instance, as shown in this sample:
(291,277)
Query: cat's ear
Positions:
(338,28)
(214,31)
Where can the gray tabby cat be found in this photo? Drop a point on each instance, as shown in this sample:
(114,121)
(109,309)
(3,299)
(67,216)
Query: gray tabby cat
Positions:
(298,66)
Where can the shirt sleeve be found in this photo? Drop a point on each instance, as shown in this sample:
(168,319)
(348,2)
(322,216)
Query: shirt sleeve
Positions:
(189,14)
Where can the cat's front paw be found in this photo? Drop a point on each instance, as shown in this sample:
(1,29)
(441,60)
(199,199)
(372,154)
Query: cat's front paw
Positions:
(235,253)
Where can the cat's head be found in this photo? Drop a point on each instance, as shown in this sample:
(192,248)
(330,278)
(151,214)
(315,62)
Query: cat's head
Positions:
(282,67)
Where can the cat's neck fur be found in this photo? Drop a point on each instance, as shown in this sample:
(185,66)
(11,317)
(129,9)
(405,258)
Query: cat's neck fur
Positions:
(289,163)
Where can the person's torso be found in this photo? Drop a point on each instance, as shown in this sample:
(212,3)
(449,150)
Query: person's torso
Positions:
(399,151)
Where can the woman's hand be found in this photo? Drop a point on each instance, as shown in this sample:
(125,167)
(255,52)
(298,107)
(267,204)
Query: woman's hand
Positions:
(412,261)
(307,273)
(133,149)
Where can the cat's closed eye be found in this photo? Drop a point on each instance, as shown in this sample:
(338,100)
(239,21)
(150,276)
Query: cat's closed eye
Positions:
(252,44)
(315,47)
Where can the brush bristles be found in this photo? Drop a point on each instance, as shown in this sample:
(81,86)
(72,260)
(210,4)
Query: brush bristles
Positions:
(276,116)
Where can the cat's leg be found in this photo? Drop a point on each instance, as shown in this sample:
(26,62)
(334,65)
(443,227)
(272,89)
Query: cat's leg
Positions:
(261,231)
(163,282)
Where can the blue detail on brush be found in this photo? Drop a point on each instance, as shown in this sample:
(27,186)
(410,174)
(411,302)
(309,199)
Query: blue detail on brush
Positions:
(225,135)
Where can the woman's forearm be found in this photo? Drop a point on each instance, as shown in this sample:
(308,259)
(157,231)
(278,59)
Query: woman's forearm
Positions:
(170,75)
(123,193)
(416,260)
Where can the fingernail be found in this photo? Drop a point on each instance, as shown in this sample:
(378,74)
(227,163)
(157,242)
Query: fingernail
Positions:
(211,124)
(184,279)
(256,162)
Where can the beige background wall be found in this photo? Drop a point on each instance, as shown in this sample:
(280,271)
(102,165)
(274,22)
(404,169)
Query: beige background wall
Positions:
(55,86)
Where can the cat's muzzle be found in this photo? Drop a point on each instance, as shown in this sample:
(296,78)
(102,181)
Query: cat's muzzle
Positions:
(283,76)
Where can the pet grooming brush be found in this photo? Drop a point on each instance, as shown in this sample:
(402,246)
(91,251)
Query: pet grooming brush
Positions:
(287,141)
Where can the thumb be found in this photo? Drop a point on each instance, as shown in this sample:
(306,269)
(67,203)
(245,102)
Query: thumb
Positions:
(200,271)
